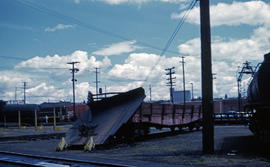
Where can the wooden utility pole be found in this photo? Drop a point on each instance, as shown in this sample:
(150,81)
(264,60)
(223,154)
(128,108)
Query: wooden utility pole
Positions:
(171,82)
(192,95)
(207,79)
(184,82)
(73,71)
(24,90)
(54,119)
(97,81)
(150,92)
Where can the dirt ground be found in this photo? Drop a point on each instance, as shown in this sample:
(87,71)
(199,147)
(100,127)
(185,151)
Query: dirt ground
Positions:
(234,146)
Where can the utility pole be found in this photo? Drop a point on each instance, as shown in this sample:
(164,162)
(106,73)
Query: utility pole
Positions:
(192,96)
(15,94)
(97,81)
(184,83)
(105,91)
(171,82)
(150,92)
(207,79)
(24,90)
(73,71)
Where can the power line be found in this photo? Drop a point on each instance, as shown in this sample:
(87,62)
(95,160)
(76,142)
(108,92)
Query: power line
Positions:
(179,25)
(43,9)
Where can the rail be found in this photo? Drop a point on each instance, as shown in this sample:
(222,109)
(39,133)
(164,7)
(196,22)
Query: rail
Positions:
(40,160)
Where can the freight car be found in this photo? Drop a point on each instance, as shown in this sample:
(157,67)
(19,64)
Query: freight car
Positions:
(161,116)
(167,116)
(259,99)
(26,112)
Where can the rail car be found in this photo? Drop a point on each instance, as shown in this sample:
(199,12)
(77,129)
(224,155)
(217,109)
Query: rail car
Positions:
(167,116)
(28,112)
(259,99)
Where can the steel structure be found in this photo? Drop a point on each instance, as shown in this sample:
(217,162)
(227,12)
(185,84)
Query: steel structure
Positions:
(105,118)
(247,69)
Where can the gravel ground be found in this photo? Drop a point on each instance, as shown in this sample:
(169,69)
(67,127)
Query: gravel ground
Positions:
(234,146)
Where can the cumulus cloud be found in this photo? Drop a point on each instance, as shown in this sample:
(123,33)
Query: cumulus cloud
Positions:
(228,54)
(118,49)
(136,67)
(11,79)
(139,66)
(237,13)
(60,62)
(58,27)
(233,50)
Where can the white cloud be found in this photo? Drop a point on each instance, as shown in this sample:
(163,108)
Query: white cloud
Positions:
(53,85)
(233,50)
(118,48)
(138,66)
(237,13)
(58,27)
(82,91)
(77,1)
(11,79)
(44,64)
(228,54)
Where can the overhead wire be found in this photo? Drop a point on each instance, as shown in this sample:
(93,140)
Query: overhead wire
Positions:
(169,42)
(43,9)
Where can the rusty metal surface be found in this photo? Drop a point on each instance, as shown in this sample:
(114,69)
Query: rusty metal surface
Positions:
(108,115)
(167,114)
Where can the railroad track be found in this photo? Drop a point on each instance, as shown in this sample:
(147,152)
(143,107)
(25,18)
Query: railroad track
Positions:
(29,160)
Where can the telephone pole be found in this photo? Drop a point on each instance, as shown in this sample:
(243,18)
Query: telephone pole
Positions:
(207,79)
(97,81)
(24,90)
(15,94)
(192,96)
(150,92)
(171,82)
(184,83)
(73,71)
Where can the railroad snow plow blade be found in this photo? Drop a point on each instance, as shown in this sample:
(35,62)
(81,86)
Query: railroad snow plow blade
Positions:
(103,120)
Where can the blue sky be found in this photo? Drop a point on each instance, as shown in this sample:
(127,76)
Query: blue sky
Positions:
(38,38)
